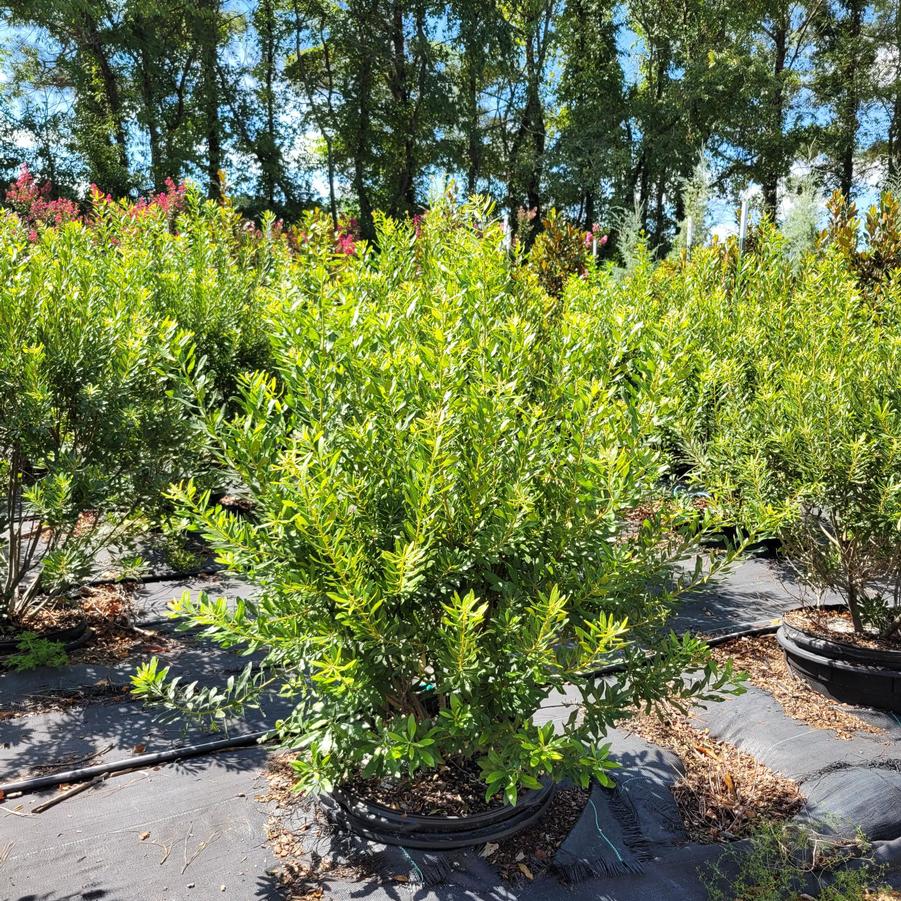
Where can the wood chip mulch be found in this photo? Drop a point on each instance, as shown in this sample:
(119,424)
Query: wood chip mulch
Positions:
(725,793)
(454,789)
(517,859)
(529,853)
(836,625)
(762,659)
(303,871)
(109,612)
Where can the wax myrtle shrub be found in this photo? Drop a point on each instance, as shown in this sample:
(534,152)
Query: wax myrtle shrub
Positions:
(200,265)
(92,426)
(456,514)
(790,409)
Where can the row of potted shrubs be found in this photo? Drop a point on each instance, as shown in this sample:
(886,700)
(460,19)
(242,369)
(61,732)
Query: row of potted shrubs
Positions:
(466,491)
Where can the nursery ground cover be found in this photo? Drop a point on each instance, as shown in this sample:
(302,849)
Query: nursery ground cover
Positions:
(463,490)
(207,828)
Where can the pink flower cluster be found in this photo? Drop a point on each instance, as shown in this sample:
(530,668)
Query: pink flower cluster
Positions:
(170,201)
(34,205)
(595,234)
(347,235)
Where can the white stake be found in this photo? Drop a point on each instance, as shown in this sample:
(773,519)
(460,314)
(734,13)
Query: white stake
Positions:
(689,233)
(743,224)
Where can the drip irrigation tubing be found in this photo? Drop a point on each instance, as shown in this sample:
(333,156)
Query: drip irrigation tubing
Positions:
(139,761)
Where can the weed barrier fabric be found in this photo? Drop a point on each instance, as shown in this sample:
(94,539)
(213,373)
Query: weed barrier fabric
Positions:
(849,784)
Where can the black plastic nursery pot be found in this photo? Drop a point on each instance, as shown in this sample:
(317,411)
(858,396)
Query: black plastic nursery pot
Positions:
(848,673)
(434,833)
(72,637)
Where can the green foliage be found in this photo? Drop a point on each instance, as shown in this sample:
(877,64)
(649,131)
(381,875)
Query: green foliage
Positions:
(445,469)
(788,863)
(92,429)
(34,651)
(211,704)
(95,320)
(560,251)
(783,401)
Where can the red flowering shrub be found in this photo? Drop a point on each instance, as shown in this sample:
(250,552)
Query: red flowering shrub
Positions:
(347,235)
(35,206)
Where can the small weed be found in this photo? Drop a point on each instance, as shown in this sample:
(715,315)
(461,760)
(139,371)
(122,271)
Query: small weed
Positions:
(792,863)
(34,651)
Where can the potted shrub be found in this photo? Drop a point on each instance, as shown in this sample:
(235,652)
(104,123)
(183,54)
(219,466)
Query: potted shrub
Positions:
(801,435)
(445,480)
(92,427)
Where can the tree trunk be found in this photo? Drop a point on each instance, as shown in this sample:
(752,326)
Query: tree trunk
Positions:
(93,45)
(269,154)
(362,145)
(207,12)
(403,200)
(894,132)
(849,107)
(772,166)
(148,98)
(474,137)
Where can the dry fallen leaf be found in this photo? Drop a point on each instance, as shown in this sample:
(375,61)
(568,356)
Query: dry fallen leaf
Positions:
(144,836)
(489,849)
(137,749)
(525,871)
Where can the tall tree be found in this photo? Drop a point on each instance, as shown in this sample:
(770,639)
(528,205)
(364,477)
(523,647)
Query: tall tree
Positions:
(591,153)
(843,82)
(206,25)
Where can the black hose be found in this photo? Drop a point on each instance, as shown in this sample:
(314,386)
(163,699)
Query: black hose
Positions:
(434,833)
(209,570)
(713,641)
(130,763)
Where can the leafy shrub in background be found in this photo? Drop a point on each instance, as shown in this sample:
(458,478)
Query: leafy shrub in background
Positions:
(198,264)
(785,402)
(92,427)
(880,256)
(34,203)
(561,250)
(456,514)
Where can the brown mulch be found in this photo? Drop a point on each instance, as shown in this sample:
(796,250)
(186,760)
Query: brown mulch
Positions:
(762,659)
(725,793)
(303,869)
(528,853)
(101,693)
(836,625)
(109,612)
(455,789)
(517,858)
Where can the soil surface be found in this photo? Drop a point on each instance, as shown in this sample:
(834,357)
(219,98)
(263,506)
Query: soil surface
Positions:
(764,662)
(455,789)
(530,852)
(519,858)
(836,625)
(109,612)
(725,793)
